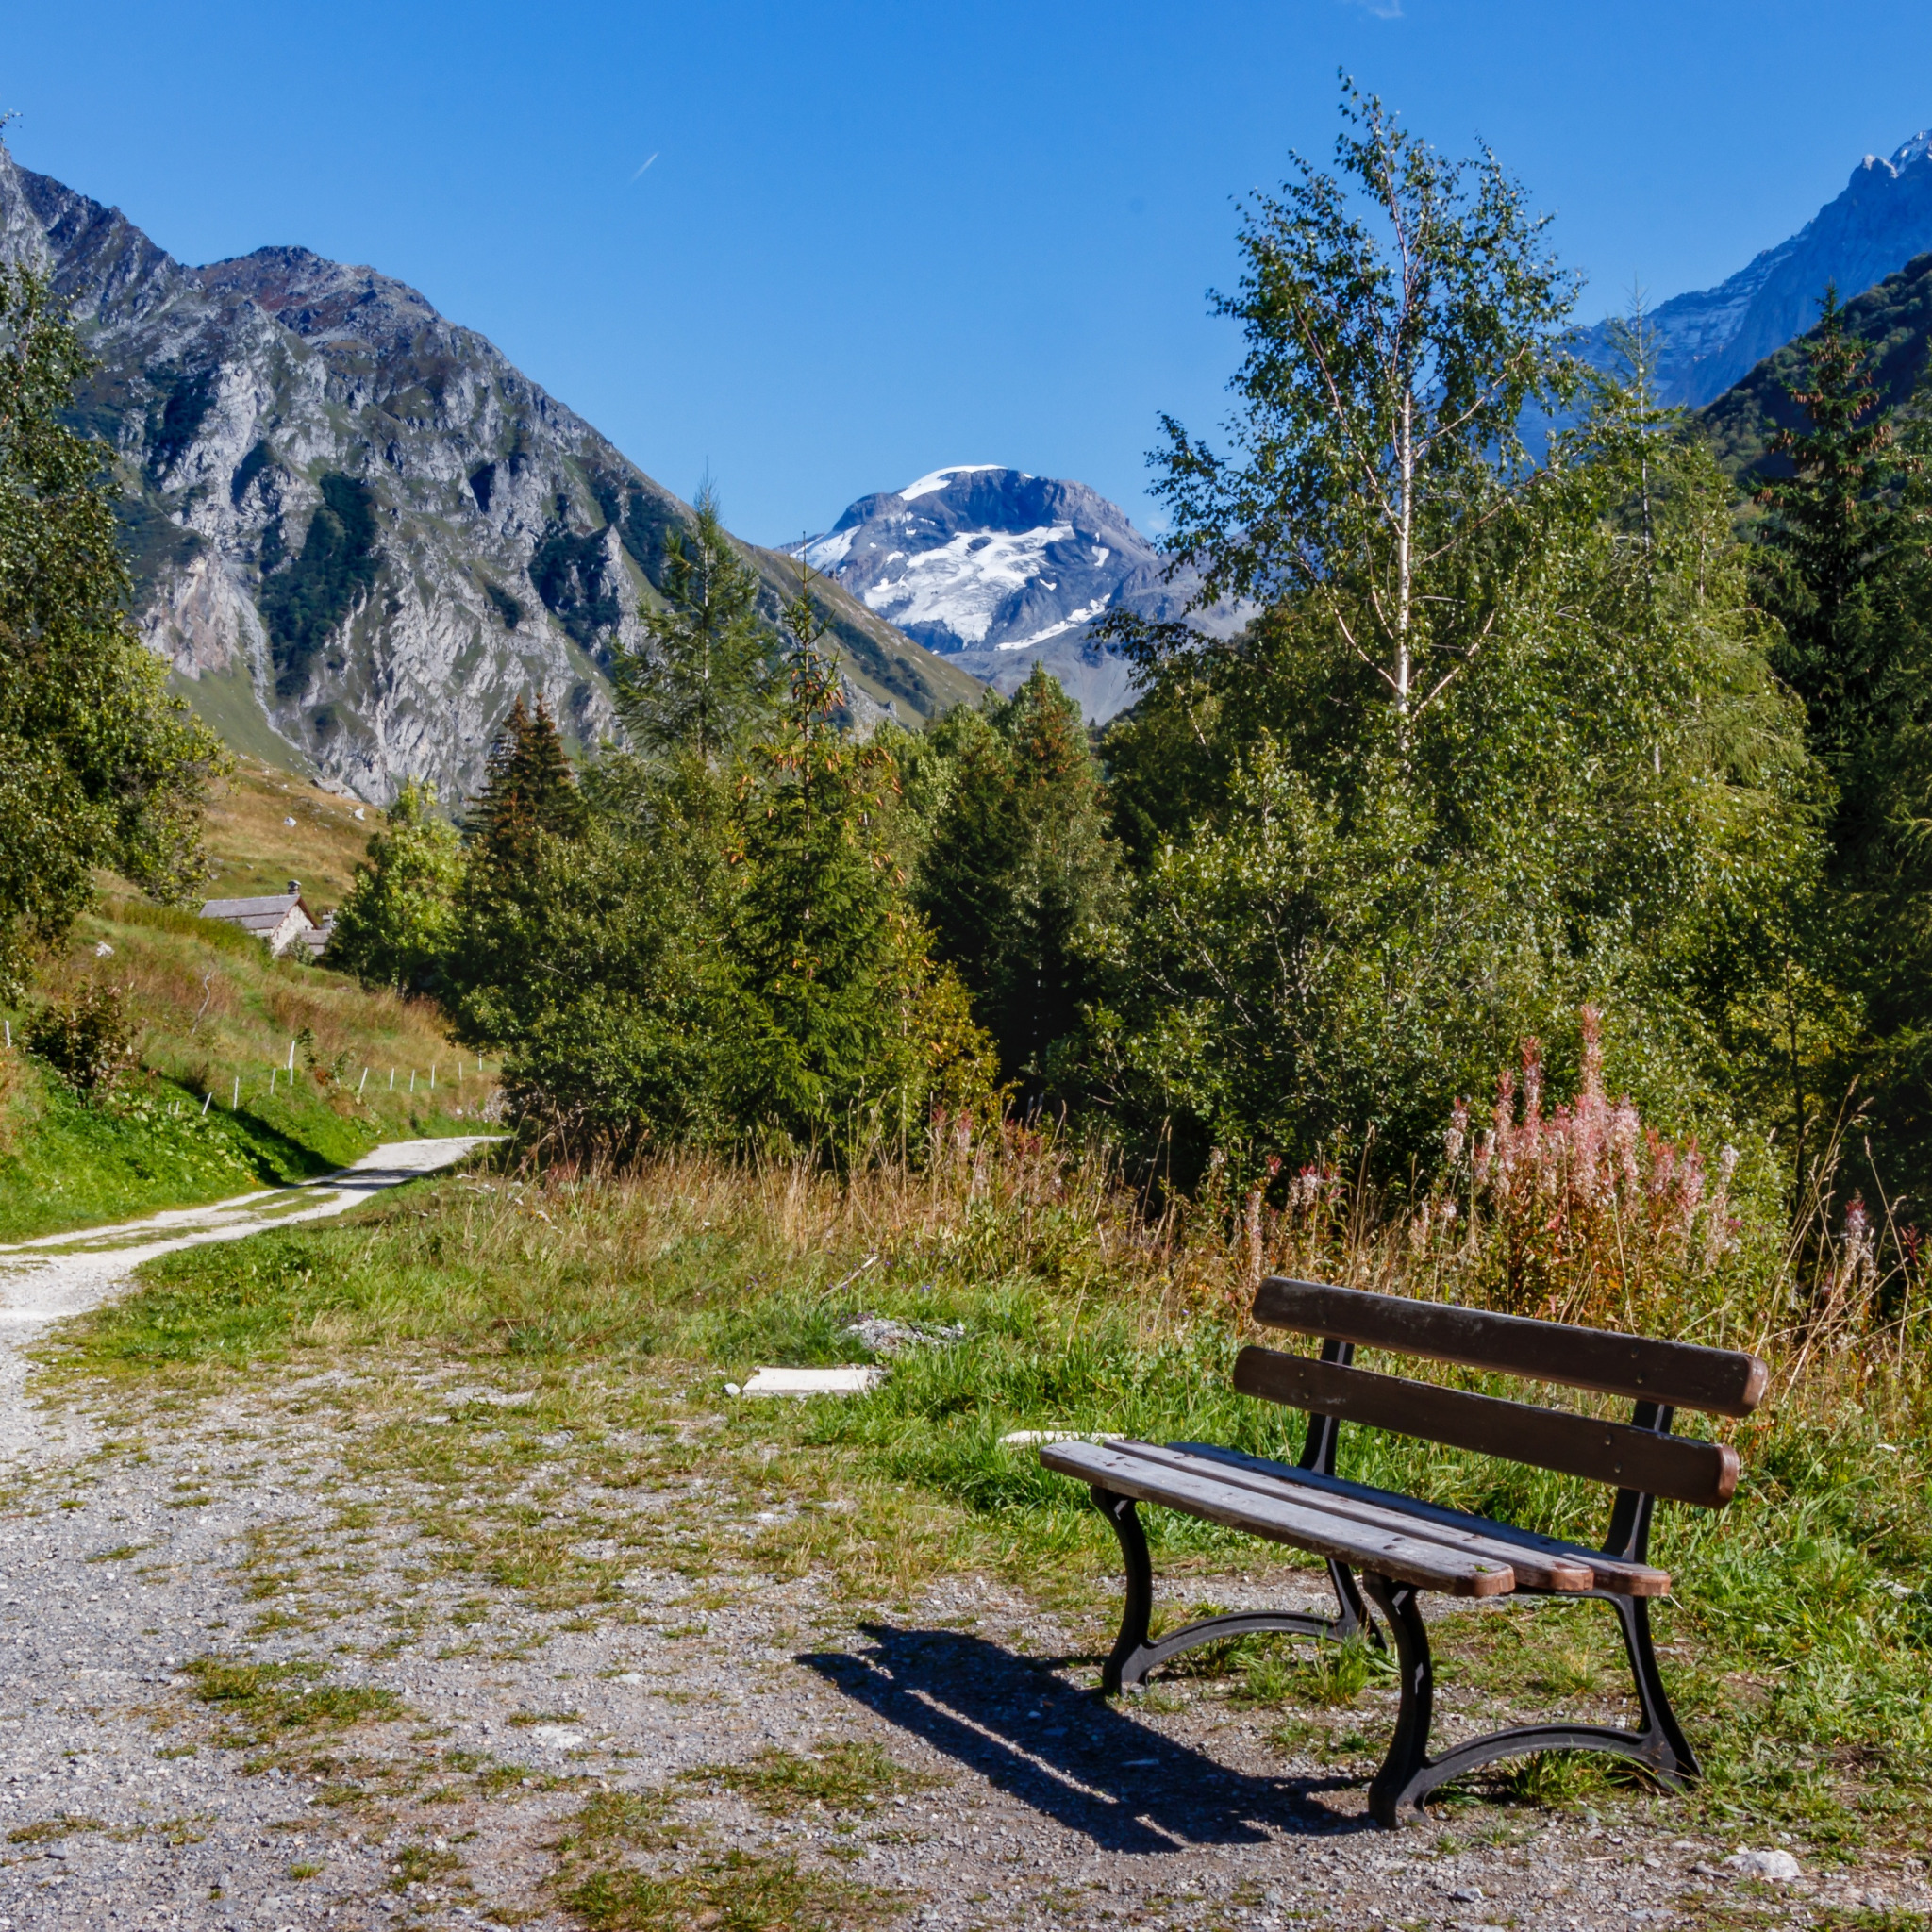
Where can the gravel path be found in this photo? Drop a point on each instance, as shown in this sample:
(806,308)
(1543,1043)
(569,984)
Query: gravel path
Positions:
(60,1274)
(267,1671)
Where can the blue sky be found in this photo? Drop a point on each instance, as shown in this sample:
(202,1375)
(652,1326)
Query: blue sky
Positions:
(826,248)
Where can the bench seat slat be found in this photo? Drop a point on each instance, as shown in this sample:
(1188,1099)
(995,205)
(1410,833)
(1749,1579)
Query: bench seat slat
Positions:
(1616,1574)
(1684,1374)
(1605,1452)
(1539,1569)
(1405,1559)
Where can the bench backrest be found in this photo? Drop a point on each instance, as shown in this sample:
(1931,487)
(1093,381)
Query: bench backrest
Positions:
(1640,1456)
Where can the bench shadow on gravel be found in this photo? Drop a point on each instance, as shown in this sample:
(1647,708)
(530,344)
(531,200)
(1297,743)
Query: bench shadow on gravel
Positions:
(1089,1764)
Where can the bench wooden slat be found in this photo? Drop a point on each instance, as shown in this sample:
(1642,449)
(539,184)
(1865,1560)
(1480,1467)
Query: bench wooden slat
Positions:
(1614,1573)
(1605,1452)
(1718,1381)
(1540,1568)
(1403,1559)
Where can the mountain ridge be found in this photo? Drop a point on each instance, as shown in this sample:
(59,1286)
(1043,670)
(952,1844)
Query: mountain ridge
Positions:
(1707,339)
(357,531)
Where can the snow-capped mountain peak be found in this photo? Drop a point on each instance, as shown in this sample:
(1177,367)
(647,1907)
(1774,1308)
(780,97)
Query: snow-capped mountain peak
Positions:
(1001,568)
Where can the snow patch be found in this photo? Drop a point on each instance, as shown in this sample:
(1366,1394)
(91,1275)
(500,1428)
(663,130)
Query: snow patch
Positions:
(1073,621)
(938,480)
(962,583)
(828,553)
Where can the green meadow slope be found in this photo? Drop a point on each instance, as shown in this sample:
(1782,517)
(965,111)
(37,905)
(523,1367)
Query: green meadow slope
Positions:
(214,1106)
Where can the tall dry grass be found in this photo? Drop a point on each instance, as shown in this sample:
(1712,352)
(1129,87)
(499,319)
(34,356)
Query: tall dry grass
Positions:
(1578,1213)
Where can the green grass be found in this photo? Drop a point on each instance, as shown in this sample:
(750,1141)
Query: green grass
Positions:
(735,1893)
(844,1777)
(261,1704)
(202,1118)
(1798,1641)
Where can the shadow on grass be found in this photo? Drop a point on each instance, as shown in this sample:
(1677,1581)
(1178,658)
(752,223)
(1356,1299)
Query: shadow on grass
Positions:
(1088,1764)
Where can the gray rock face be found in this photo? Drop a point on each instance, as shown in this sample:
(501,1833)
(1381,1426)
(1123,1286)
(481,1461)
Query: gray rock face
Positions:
(1707,339)
(1001,569)
(358,533)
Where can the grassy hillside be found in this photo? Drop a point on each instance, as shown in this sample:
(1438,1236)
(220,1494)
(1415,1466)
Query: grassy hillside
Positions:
(218,1021)
(255,847)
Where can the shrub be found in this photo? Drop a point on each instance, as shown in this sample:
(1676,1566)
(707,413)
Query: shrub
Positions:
(88,1041)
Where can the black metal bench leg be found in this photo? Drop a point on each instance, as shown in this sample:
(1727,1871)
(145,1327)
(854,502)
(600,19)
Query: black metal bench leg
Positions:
(1125,1665)
(1354,1619)
(1407,1762)
(1662,1747)
(1135,1653)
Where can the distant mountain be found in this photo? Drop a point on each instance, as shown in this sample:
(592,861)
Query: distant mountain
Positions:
(1711,339)
(1895,319)
(998,570)
(358,532)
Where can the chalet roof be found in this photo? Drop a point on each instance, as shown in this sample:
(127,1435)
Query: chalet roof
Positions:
(266,915)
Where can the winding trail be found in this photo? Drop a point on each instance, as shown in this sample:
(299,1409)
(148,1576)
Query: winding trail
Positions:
(45,1280)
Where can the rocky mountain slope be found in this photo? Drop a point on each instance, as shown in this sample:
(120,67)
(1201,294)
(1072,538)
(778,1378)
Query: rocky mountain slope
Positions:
(358,533)
(1707,339)
(999,569)
(1894,318)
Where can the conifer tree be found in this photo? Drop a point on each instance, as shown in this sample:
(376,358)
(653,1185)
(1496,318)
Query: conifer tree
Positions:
(1830,536)
(709,675)
(1019,873)
(528,787)
(1844,562)
(822,934)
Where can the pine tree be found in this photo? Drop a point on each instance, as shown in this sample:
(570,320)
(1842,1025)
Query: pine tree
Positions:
(710,676)
(1829,538)
(1845,563)
(528,787)
(1018,873)
(822,936)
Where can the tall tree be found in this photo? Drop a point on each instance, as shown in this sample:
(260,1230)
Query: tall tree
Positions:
(499,954)
(709,675)
(1018,874)
(99,767)
(822,933)
(846,1031)
(1501,733)
(395,926)
(1830,537)
(1843,557)
(1401,315)
(528,787)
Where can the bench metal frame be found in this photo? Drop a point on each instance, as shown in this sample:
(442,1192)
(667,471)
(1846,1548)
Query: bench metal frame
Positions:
(1409,1774)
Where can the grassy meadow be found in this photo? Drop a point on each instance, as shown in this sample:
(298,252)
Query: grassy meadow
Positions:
(253,848)
(214,1106)
(1798,1642)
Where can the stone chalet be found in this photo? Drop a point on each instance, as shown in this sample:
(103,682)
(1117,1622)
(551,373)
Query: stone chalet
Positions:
(279,919)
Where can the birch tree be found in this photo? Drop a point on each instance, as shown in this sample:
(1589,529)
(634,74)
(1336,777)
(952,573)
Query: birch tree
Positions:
(1401,314)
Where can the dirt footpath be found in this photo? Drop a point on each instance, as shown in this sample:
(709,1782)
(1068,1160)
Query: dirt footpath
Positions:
(267,1672)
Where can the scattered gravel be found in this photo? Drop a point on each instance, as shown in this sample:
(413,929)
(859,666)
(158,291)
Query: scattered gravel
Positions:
(1034,1803)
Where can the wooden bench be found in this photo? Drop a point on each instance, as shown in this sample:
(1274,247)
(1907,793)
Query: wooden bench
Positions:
(1402,1546)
